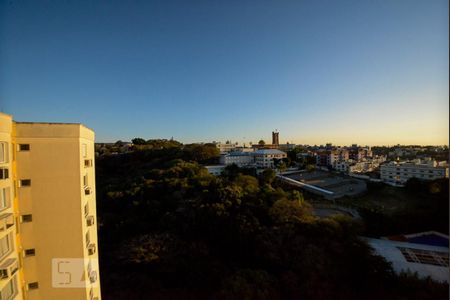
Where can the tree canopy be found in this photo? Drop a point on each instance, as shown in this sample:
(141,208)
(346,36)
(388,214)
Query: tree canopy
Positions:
(170,230)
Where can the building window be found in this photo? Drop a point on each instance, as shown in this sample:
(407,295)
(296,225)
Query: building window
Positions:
(33,285)
(4,198)
(4,173)
(86,209)
(25,182)
(85,180)
(9,290)
(5,245)
(3,152)
(84,150)
(24,147)
(30,252)
(428,257)
(27,218)
(87,163)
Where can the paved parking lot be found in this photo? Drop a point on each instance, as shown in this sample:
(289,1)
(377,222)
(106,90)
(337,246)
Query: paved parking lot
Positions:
(339,185)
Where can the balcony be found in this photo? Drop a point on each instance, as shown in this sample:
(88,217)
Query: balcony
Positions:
(90,220)
(6,221)
(8,268)
(87,190)
(4,173)
(88,163)
(93,276)
(91,249)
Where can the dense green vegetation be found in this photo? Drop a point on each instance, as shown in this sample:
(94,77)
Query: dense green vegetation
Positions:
(419,206)
(169,230)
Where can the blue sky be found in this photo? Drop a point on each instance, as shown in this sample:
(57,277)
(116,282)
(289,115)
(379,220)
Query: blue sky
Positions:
(368,72)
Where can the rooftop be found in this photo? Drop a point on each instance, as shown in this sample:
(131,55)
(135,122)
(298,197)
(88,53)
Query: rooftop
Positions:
(269,151)
(426,260)
(431,238)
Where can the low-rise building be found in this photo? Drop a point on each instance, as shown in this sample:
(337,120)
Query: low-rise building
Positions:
(358,153)
(366,165)
(215,170)
(241,159)
(398,173)
(264,158)
(342,166)
(329,158)
(286,147)
(424,253)
(226,147)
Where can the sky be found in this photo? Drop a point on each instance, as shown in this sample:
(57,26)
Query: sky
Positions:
(368,72)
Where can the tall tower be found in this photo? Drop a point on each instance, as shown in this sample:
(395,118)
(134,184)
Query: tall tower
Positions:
(275,138)
(51,191)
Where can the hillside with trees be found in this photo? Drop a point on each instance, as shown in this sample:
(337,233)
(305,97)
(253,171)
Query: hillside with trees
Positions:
(170,230)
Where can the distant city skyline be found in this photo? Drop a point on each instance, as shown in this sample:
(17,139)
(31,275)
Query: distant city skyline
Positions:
(345,72)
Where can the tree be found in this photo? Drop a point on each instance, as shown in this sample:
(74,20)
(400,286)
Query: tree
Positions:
(267,176)
(138,141)
(261,143)
(286,211)
(204,153)
(249,184)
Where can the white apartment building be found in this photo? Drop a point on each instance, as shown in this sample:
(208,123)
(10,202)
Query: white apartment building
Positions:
(241,159)
(264,158)
(366,165)
(398,173)
(215,170)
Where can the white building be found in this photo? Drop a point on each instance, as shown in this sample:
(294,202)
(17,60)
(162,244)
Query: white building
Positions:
(215,170)
(398,173)
(366,165)
(264,158)
(425,260)
(227,147)
(241,159)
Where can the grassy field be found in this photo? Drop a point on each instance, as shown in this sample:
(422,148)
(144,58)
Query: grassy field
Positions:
(388,210)
(383,198)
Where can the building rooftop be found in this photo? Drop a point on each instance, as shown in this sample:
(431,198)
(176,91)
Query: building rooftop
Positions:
(426,260)
(431,238)
(238,153)
(269,151)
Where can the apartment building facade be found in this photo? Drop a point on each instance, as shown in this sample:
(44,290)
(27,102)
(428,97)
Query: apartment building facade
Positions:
(265,158)
(241,159)
(48,235)
(398,173)
(329,158)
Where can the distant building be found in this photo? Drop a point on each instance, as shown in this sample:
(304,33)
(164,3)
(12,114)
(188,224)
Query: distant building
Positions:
(275,144)
(423,253)
(265,146)
(342,166)
(366,165)
(241,159)
(226,147)
(286,147)
(215,170)
(275,138)
(357,153)
(329,158)
(398,173)
(264,158)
